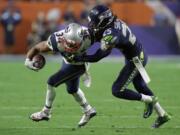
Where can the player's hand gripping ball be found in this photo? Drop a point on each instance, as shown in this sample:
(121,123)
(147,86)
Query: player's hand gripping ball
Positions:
(39,61)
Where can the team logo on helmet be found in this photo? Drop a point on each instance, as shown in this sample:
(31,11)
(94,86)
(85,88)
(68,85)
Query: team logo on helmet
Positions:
(95,12)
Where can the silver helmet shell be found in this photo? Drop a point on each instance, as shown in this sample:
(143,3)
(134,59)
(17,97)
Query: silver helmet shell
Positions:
(72,38)
(73,32)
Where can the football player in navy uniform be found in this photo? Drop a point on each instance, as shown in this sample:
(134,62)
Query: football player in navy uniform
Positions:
(73,40)
(114,33)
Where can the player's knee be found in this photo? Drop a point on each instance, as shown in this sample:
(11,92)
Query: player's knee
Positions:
(116,91)
(51,81)
(72,91)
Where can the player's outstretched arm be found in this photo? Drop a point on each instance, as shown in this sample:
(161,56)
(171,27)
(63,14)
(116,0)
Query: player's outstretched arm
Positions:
(40,47)
(93,58)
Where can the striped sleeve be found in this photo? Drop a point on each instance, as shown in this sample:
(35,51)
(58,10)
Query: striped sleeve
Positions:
(52,43)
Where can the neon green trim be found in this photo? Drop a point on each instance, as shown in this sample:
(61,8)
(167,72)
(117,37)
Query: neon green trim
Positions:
(108,38)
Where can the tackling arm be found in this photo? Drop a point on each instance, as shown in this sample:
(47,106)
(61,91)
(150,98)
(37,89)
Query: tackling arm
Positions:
(93,58)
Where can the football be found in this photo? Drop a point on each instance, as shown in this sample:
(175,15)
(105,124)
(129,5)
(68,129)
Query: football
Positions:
(39,61)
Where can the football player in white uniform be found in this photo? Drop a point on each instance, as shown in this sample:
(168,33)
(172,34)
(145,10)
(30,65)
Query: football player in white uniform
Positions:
(72,41)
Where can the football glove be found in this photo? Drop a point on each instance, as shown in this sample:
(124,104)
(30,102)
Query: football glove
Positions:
(30,64)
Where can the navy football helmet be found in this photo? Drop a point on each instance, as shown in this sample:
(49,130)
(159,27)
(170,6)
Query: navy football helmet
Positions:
(100,17)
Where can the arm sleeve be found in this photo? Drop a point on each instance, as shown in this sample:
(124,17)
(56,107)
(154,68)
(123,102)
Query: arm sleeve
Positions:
(96,57)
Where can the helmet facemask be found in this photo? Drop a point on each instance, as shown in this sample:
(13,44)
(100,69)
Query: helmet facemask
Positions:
(70,46)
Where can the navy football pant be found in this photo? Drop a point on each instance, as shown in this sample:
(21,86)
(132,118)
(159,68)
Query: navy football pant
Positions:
(129,74)
(68,74)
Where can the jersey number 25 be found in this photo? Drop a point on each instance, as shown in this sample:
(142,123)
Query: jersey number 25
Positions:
(125,31)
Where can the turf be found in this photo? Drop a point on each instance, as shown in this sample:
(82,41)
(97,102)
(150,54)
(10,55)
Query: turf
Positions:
(22,92)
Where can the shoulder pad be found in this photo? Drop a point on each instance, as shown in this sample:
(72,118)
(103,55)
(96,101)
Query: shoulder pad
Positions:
(52,43)
(53,40)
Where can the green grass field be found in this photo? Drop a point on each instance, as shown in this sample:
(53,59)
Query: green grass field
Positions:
(22,92)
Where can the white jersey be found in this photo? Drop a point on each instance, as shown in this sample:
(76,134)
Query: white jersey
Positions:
(55,45)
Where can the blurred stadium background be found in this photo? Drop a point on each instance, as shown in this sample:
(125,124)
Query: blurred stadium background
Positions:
(155,22)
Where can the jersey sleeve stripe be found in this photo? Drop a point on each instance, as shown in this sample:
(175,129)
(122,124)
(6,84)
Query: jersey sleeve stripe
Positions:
(54,43)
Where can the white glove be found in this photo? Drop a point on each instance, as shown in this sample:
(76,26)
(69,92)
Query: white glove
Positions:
(86,78)
(30,64)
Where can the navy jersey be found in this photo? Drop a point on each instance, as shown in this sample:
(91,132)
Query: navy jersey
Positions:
(121,37)
(117,36)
